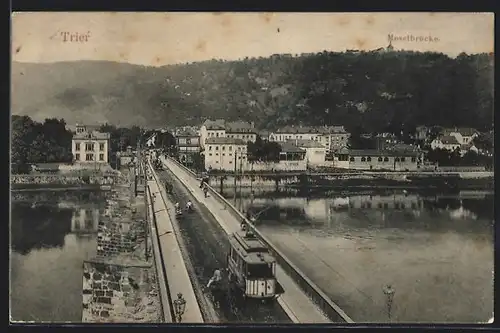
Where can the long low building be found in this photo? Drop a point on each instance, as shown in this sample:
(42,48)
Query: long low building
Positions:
(372,159)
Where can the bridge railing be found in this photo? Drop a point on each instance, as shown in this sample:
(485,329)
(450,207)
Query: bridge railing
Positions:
(332,310)
(164,293)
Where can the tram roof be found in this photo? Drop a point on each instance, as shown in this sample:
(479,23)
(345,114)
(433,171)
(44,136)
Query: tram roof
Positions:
(252,250)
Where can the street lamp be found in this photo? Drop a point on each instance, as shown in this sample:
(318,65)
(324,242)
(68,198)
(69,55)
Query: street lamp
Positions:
(179,307)
(389,293)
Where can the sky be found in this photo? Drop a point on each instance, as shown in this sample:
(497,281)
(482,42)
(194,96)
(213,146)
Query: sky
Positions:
(157,39)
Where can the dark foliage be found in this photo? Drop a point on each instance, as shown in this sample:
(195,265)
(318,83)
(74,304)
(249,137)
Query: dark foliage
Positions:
(263,151)
(34,142)
(366,91)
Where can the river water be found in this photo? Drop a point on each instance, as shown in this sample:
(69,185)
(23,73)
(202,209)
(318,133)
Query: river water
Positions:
(435,250)
(52,233)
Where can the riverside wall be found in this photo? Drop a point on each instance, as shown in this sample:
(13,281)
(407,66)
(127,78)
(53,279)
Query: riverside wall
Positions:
(120,285)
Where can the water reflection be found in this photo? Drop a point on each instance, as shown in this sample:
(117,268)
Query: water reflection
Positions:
(436,250)
(51,234)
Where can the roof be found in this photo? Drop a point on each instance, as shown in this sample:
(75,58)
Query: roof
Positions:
(46,166)
(464,131)
(95,135)
(310,129)
(92,127)
(448,140)
(375,152)
(186,132)
(218,124)
(289,147)
(223,140)
(240,127)
(306,143)
(252,250)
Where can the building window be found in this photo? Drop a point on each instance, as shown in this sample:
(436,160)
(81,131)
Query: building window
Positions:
(209,147)
(380,159)
(223,154)
(230,162)
(101,146)
(217,134)
(363,159)
(89,157)
(223,147)
(77,146)
(77,157)
(101,157)
(230,154)
(89,147)
(209,154)
(386,159)
(230,148)
(369,159)
(413,159)
(352,159)
(216,147)
(396,159)
(216,154)
(403,159)
(188,141)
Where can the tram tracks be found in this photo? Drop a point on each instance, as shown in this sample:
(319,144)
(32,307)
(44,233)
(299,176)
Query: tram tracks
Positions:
(207,245)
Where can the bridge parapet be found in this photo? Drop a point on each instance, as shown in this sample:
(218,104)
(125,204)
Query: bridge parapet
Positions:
(333,311)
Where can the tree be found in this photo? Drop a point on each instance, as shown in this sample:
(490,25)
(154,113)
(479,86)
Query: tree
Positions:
(263,151)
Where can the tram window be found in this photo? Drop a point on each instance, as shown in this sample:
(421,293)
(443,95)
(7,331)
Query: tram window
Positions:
(260,271)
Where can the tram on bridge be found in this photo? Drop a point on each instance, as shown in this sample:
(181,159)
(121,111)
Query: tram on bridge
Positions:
(252,269)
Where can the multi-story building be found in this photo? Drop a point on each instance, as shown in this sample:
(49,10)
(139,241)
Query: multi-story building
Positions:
(188,144)
(89,146)
(222,153)
(220,129)
(241,130)
(331,137)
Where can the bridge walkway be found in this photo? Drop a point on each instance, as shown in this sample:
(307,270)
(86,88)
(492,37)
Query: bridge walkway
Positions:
(177,276)
(299,307)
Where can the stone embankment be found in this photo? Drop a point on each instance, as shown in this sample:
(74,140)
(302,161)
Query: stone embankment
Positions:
(120,283)
(60,180)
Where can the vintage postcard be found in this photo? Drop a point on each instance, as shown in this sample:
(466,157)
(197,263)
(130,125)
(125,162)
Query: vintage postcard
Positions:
(329,168)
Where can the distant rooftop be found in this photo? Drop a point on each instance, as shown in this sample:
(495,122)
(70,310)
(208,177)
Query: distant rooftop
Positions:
(449,140)
(223,140)
(464,131)
(289,147)
(302,143)
(310,129)
(185,132)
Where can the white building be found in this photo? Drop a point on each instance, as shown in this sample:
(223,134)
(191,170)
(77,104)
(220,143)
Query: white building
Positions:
(89,146)
(220,129)
(464,136)
(331,137)
(447,142)
(222,153)
(315,152)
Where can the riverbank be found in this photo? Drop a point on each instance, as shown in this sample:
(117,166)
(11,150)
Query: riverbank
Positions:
(65,181)
(120,283)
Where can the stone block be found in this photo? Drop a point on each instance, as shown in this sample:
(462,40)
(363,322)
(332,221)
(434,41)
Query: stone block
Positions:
(97,285)
(105,300)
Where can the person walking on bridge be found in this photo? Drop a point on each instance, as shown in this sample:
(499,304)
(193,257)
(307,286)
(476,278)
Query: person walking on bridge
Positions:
(216,278)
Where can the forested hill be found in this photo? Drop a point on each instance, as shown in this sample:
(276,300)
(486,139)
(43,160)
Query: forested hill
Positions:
(365,91)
